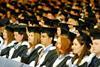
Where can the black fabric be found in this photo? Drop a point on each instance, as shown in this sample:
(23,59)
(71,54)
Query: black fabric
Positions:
(95,62)
(20,51)
(63,63)
(51,54)
(5,52)
(33,56)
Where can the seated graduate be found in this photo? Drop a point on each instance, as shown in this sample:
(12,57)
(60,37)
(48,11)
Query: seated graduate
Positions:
(49,52)
(21,44)
(3,23)
(35,46)
(96,47)
(7,40)
(8,36)
(64,43)
(81,46)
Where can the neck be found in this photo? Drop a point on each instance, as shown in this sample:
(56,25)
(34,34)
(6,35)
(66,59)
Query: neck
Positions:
(79,53)
(98,55)
(32,45)
(5,42)
(47,44)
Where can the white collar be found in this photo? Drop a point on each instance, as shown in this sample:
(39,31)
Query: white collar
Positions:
(49,47)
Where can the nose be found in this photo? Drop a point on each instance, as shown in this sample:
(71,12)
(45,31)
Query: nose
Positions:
(72,46)
(58,46)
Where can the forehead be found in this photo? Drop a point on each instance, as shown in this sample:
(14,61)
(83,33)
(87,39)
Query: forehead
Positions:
(96,40)
(76,41)
(30,32)
(44,34)
(15,32)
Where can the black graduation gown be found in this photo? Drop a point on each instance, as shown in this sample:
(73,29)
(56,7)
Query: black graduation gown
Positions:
(33,56)
(86,62)
(6,50)
(63,63)
(50,57)
(21,51)
(95,62)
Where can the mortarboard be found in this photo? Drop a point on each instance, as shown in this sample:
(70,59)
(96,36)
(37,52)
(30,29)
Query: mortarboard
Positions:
(95,33)
(2,11)
(55,10)
(86,38)
(63,26)
(74,16)
(34,29)
(20,28)
(75,10)
(4,22)
(70,35)
(52,23)
(51,31)
(9,28)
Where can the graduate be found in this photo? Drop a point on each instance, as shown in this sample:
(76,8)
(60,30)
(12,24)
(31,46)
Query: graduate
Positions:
(95,47)
(21,45)
(81,46)
(64,43)
(35,46)
(49,52)
(8,36)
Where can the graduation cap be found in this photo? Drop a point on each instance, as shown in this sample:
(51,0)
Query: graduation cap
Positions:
(71,1)
(14,14)
(3,4)
(34,29)
(20,28)
(81,26)
(52,23)
(63,26)
(74,16)
(76,10)
(50,31)
(4,22)
(86,38)
(55,10)
(2,11)
(70,35)
(68,7)
(21,6)
(95,33)
(9,28)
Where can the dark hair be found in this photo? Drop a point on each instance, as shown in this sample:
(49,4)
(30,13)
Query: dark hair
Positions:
(25,37)
(84,40)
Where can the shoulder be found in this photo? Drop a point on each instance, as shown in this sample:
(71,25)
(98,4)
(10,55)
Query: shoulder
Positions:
(12,43)
(39,45)
(26,43)
(52,48)
(87,59)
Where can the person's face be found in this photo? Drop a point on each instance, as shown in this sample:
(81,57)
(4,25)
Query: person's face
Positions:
(13,19)
(72,22)
(58,45)
(45,39)
(96,46)
(58,31)
(76,47)
(5,34)
(31,37)
(18,37)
